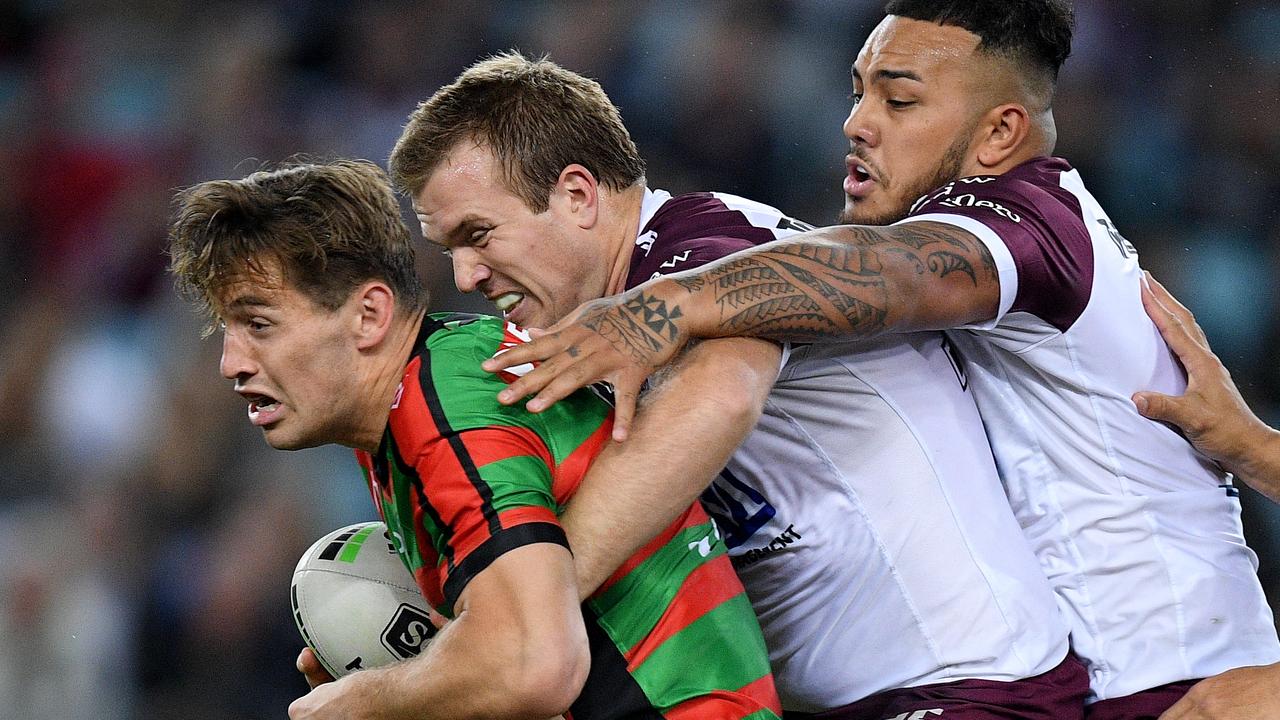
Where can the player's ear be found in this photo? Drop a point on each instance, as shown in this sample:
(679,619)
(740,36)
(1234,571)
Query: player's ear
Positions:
(1005,129)
(577,195)
(374,307)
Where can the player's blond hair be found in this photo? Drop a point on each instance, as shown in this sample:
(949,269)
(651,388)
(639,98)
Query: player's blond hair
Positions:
(533,115)
(328,227)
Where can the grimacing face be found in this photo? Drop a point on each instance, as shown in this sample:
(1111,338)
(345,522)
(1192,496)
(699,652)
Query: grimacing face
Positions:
(534,267)
(291,359)
(913,118)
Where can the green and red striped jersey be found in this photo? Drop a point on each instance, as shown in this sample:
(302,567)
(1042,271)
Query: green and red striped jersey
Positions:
(460,479)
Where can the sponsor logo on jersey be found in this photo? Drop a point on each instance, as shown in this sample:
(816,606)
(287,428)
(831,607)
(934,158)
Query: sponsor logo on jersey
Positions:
(738,509)
(1125,247)
(408,632)
(969,200)
(783,539)
(682,257)
(704,546)
(645,241)
(917,715)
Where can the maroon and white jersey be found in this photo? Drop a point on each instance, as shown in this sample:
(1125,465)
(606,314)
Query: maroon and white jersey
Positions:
(1139,534)
(863,513)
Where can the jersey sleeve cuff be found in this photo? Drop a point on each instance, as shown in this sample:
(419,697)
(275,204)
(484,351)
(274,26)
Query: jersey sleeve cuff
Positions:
(1006,270)
(495,547)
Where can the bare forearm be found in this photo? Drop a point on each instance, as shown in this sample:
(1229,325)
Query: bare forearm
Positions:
(682,437)
(1258,464)
(845,282)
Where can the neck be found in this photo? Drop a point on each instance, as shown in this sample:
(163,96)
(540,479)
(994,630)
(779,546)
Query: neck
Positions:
(384,369)
(624,208)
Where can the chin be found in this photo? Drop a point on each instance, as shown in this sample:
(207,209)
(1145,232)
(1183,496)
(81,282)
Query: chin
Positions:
(863,214)
(284,442)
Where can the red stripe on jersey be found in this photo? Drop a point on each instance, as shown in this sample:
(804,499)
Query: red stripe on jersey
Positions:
(568,475)
(527,514)
(429,582)
(496,443)
(756,696)
(710,584)
(695,515)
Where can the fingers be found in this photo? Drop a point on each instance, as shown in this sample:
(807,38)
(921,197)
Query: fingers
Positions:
(559,382)
(624,409)
(530,352)
(1157,406)
(1172,317)
(309,665)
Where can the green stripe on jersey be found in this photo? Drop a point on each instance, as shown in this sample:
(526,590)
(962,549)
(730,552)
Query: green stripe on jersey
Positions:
(352,547)
(738,648)
(457,353)
(631,608)
(519,481)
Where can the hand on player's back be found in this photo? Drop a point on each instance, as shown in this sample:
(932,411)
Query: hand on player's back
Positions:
(1211,413)
(620,340)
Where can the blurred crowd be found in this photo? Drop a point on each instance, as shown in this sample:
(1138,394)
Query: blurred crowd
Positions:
(147,534)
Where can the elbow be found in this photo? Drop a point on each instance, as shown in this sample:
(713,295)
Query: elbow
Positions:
(551,678)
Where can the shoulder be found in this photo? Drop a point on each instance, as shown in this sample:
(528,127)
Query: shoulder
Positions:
(1031,194)
(692,229)
(445,376)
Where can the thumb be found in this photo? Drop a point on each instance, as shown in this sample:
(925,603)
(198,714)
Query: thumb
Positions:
(1157,406)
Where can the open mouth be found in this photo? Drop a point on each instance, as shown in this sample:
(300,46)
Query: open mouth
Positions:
(262,409)
(506,302)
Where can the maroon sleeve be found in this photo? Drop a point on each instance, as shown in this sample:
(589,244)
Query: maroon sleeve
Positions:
(1040,223)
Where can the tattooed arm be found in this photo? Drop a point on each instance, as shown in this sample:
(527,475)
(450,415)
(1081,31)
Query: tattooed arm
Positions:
(832,283)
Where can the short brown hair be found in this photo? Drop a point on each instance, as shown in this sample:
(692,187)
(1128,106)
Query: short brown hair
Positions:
(536,118)
(330,226)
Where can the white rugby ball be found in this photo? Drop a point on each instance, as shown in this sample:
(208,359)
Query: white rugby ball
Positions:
(356,604)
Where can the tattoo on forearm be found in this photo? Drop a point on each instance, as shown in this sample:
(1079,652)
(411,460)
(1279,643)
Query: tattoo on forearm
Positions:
(824,287)
(642,326)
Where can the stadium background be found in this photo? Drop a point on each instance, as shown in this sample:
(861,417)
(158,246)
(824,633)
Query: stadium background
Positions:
(147,533)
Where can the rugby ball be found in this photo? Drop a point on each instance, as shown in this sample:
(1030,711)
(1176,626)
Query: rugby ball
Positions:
(356,604)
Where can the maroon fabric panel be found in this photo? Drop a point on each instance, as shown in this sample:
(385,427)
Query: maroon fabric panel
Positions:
(692,230)
(1055,695)
(1043,227)
(1146,705)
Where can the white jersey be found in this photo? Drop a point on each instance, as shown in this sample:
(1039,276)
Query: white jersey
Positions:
(863,513)
(1139,534)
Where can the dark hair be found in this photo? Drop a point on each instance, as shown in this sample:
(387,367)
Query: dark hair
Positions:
(1034,32)
(533,115)
(330,226)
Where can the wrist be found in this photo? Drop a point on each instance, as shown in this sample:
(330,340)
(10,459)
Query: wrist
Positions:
(1258,456)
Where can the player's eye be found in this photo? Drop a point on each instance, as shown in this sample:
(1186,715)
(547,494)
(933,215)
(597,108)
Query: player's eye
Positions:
(855,98)
(257,324)
(899,104)
(479,237)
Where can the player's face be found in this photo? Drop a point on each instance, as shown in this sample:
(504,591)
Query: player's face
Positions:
(535,267)
(292,360)
(913,119)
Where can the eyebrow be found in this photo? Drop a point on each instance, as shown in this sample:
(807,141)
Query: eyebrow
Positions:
(881,75)
(463,227)
(247,301)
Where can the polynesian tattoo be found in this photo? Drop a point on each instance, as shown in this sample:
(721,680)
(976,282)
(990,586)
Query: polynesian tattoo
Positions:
(803,289)
(823,288)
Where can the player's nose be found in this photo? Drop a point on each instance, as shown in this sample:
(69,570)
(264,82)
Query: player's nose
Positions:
(468,270)
(859,127)
(236,360)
